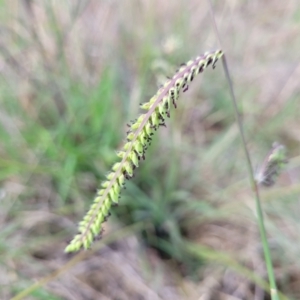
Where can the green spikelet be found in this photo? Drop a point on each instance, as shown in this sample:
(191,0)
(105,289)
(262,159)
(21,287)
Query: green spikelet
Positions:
(272,166)
(138,138)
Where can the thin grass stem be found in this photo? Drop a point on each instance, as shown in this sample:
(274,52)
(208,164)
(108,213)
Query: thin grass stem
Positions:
(254,186)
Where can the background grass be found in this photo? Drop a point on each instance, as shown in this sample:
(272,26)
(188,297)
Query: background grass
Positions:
(73,74)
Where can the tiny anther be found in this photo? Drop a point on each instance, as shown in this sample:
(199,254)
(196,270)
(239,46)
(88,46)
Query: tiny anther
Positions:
(214,63)
(210,60)
(174,103)
(186,88)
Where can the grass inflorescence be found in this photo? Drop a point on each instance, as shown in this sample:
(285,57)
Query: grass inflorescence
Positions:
(272,166)
(138,138)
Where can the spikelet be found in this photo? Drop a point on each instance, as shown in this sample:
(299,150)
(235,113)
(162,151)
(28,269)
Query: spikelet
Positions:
(272,165)
(138,138)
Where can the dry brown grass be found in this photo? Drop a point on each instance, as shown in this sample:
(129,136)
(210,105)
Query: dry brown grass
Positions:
(144,41)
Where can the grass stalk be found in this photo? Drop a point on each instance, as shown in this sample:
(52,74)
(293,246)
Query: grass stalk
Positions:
(254,185)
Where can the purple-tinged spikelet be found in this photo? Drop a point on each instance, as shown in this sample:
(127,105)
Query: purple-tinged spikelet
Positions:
(138,138)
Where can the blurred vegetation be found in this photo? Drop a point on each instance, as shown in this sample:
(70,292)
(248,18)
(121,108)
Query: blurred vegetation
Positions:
(73,74)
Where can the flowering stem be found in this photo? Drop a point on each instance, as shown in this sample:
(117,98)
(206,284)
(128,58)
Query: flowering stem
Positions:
(254,185)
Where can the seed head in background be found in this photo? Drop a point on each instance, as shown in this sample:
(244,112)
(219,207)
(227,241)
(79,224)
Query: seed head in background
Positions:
(272,166)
